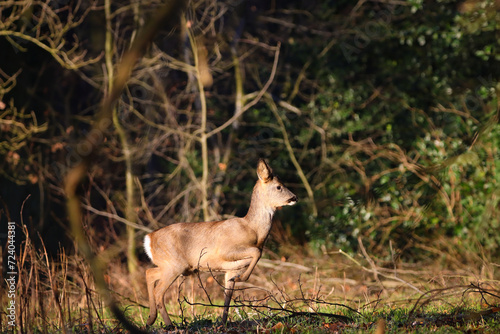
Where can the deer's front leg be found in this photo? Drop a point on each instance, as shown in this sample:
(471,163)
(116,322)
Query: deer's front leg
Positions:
(253,254)
(228,293)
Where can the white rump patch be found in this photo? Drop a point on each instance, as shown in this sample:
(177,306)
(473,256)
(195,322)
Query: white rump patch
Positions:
(147,246)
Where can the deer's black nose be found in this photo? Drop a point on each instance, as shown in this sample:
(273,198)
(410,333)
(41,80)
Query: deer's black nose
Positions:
(293,199)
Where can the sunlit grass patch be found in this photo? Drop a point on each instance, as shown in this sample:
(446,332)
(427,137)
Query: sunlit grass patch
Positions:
(301,294)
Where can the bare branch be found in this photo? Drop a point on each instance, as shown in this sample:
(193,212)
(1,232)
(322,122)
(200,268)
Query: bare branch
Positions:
(254,101)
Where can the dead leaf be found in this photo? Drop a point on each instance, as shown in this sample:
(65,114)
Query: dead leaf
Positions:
(278,326)
(332,327)
(33,178)
(56,147)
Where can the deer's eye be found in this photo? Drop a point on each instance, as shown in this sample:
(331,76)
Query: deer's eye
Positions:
(278,187)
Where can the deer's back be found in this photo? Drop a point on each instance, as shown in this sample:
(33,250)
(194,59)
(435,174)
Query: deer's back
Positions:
(204,244)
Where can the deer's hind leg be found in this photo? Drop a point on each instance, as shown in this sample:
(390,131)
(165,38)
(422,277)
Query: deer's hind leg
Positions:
(165,278)
(165,282)
(152,276)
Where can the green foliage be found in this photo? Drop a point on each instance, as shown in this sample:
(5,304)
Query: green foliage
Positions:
(402,97)
(391,109)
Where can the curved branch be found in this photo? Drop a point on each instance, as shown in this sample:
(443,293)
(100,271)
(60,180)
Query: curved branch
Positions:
(64,61)
(291,153)
(255,100)
(95,138)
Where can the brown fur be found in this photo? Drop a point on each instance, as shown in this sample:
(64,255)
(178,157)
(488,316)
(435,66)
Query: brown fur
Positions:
(232,246)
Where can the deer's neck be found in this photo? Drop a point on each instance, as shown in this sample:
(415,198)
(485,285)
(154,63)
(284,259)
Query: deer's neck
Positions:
(259,217)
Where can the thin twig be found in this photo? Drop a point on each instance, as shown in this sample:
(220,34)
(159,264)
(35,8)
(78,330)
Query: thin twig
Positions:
(381,274)
(255,100)
(291,153)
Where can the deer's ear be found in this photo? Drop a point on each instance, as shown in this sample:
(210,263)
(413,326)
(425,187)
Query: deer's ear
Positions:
(264,172)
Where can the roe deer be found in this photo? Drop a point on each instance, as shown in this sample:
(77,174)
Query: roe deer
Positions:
(232,246)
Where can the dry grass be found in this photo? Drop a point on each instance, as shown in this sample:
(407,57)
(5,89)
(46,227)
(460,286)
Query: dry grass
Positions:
(58,293)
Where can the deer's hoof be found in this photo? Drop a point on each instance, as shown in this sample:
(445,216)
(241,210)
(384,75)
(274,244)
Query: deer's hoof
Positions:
(150,321)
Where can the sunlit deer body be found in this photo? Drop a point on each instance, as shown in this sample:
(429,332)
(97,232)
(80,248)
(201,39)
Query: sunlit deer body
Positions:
(232,246)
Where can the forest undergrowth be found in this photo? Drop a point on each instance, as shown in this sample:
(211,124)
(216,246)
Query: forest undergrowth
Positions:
(292,290)
(381,116)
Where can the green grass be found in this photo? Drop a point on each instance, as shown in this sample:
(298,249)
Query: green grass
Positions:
(452,313)
(437,317)
(280,297)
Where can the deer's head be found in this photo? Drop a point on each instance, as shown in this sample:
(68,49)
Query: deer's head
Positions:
(270,189)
